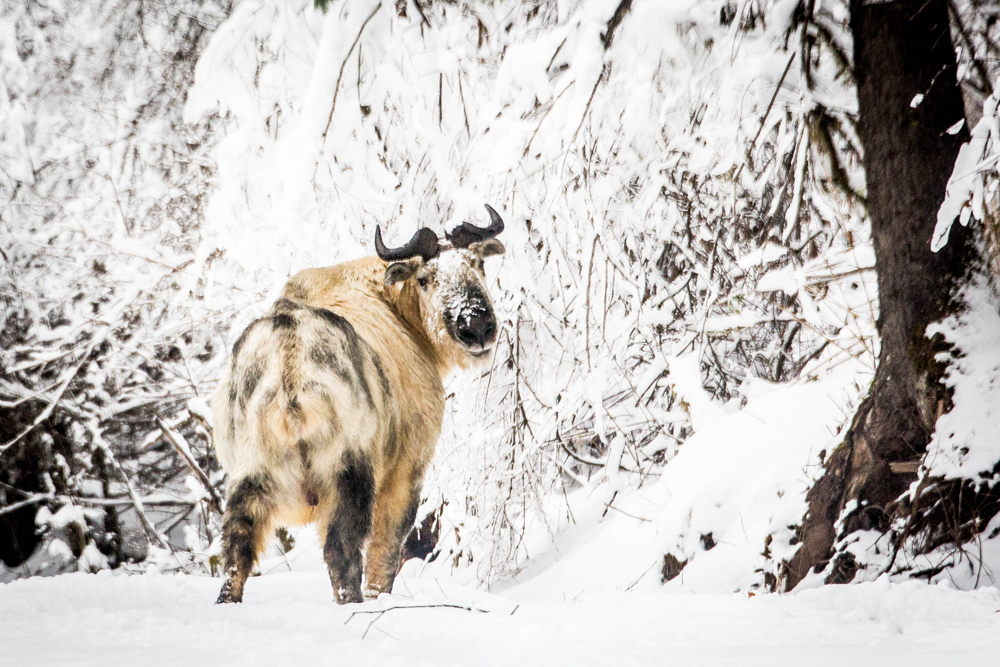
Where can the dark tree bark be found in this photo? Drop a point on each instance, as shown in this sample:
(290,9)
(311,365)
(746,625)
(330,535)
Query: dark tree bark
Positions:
(28,468)
(902,49)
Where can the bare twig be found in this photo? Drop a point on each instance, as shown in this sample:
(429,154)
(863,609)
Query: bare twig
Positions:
(447,605)
(381,612)
(976,62)
(94,502)
(137,504)
(616,19)
(545,115)
(118,200)
(590,274)
(554,54)
(47,412)
(770,104)
(24,503)
(600,77)
(440,99)
(465,112)
(25,399)
(423,17)
(632,516)
(340,75)
(597,463)
(181,447)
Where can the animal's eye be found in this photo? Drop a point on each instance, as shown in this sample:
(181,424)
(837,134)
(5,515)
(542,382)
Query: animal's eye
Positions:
(422,281)
(481,264)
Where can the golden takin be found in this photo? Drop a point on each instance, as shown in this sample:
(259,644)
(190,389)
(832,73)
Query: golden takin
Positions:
(330,407)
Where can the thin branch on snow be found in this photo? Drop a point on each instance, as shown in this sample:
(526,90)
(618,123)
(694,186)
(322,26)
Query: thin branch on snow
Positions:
(381,612)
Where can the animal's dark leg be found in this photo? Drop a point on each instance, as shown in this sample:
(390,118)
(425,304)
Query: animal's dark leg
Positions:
(395,512)
(349,527)
(247,519)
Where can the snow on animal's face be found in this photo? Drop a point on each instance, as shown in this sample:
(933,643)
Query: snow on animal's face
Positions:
(455,305)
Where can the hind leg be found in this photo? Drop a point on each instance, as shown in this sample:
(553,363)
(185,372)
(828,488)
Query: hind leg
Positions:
(348,527)
(247,519)
(395,511)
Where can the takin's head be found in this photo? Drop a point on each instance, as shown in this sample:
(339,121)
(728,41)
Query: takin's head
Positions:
(455,306)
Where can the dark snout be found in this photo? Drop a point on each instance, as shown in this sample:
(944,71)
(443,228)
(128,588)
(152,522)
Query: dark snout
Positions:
(476,329)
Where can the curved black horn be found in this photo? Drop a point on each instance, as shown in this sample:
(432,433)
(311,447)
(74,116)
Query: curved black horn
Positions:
(423,243)
(466,233)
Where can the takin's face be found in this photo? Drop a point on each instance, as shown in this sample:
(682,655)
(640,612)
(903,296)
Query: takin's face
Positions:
(455,306)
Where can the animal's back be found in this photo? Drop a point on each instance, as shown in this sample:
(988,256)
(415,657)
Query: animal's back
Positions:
(302,390)
(389,321)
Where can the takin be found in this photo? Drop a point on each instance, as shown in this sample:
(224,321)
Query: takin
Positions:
(331,404)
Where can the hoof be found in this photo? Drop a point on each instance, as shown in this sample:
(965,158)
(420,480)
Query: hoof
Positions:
(343,596)
(228,596)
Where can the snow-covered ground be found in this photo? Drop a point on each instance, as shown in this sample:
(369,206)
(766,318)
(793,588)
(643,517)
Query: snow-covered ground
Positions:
(591,596)
(289,618)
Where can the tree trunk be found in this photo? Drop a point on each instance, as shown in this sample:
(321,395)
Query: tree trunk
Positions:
(902,50)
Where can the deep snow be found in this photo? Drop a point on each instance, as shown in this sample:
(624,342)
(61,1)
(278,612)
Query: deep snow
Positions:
(592,596)
(289,618)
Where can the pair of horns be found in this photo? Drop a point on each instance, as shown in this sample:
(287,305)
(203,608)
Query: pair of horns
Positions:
(425,242)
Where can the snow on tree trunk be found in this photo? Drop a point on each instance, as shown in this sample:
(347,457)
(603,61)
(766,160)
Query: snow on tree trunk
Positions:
(908,98)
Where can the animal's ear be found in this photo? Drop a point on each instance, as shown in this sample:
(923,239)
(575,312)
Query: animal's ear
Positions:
(397,272)
(487,248)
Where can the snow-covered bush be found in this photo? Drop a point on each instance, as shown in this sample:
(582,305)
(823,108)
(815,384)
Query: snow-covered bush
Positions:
(679,181)
(103,189)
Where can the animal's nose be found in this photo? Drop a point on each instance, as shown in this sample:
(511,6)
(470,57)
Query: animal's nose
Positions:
(476,329)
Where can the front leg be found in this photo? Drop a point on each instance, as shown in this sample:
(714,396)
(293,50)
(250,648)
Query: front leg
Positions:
(395,511)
